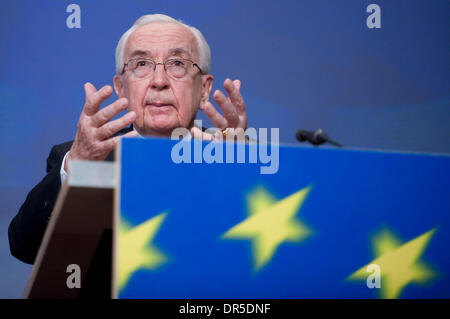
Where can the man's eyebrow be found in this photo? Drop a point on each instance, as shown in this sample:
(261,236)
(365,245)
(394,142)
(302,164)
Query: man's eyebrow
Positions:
(140,53)
(179,51)
(172,52)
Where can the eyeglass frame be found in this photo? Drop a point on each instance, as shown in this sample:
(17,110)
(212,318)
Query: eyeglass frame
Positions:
(160,63)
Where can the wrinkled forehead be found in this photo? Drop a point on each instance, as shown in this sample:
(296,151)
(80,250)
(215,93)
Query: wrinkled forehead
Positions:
(161,40)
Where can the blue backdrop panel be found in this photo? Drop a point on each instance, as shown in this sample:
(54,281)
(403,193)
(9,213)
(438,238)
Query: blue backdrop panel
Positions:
(303,64)
(354,197)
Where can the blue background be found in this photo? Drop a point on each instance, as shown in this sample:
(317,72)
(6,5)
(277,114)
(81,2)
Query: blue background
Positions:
(303,64)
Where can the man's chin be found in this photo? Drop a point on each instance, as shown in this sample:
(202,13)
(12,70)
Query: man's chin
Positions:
(161,128)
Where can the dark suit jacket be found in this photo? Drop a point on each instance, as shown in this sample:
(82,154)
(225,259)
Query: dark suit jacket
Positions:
(27,228)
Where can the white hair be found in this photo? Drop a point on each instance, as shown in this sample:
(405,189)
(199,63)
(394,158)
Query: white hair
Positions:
(203,47)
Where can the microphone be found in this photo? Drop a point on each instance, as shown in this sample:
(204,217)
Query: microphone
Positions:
(317,137)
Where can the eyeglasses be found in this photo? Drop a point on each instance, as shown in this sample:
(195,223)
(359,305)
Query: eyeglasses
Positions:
(176,68)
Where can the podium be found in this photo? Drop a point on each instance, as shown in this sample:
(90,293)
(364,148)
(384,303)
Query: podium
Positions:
(329,223)
(79,233)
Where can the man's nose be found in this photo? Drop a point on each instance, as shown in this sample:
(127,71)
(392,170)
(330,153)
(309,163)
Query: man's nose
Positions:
(159,80)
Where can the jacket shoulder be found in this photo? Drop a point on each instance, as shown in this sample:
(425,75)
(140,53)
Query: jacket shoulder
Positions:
(62,148)
(57,154)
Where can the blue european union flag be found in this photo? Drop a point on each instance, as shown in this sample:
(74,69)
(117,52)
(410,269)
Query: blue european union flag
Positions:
(328,224)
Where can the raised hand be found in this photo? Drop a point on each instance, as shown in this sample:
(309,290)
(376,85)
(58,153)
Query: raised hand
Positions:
(93,140)
(233,108)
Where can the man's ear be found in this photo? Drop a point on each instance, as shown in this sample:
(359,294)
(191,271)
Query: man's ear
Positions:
(118,86)
(207,81)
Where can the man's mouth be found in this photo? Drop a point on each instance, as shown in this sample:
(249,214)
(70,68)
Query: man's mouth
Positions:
(159,104)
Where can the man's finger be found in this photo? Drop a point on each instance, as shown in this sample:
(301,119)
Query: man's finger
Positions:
(110,128)
(94,99)
(234,94)
(132,133)
(108,112)
(237,84)
(111,143)
(89,89)
(229,110)
(216,118)
(200,135)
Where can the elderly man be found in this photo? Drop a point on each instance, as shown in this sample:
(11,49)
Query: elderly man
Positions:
(162,79)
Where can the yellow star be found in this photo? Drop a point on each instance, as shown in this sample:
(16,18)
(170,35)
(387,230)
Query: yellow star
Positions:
(134,251)
(258,200)
(399,263)
(270,223)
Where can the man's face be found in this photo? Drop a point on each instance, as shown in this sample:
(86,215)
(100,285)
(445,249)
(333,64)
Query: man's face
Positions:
(163,103)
